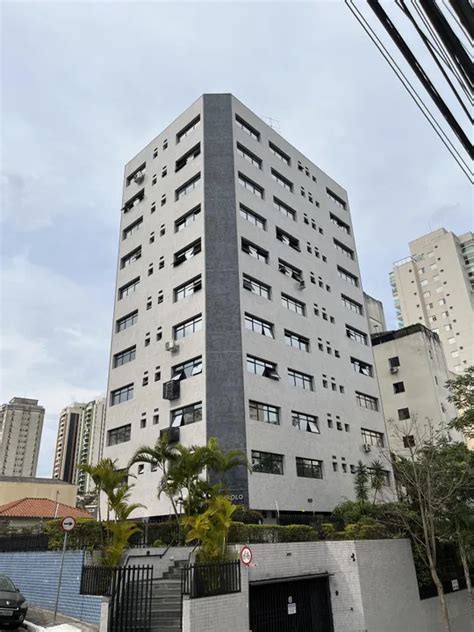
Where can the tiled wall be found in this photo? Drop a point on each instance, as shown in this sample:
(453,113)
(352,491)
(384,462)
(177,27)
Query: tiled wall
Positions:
(36,574)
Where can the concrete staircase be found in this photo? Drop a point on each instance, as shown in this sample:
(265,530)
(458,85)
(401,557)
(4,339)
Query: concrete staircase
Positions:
(166,600)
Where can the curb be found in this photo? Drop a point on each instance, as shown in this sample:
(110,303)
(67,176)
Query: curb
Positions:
(31,627)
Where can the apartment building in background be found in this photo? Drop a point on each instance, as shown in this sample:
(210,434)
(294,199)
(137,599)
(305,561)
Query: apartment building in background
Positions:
(79,440)
(434,286)
(412,373)
(239,314)
(21,425)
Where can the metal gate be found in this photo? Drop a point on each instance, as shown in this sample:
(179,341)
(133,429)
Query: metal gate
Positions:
(291,605)
(130,602)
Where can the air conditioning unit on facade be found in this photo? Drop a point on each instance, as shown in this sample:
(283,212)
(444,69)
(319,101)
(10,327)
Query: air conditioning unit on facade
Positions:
(172,389)
(394,369)
(366,447)
(139,177)
(301,285)
(172,346)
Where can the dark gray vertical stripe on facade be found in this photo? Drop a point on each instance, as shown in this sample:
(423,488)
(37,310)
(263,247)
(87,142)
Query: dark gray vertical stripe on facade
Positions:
(225,406)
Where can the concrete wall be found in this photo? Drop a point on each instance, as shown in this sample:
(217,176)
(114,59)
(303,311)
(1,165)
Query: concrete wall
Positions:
(372,585)
(11,490)
(36,574)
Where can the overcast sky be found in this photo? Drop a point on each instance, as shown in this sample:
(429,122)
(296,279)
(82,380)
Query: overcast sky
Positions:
(86,85)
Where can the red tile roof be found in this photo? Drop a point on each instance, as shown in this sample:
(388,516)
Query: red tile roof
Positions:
(40,508)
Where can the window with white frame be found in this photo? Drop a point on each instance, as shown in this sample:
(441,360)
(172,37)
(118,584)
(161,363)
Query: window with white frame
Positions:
(356,335)
(264,412)
(367,401)
(258,366)
(188,327)
(300,380)
(258,325)
(362,367)
(289,270)
(305,422)
(352,305)
(187,369)
(128,288)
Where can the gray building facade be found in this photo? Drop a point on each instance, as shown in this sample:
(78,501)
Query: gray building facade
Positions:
(21,426)
(239,314)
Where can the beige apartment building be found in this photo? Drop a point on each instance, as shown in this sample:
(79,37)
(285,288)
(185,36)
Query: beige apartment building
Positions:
(434,286)
(21,425)
(412,374)
(80,440)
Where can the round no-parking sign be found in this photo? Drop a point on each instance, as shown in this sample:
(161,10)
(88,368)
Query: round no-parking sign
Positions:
(246,555)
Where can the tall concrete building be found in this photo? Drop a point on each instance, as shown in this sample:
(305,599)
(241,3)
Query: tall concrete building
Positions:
(21,425)
(80,439)
(375,314)
(239,314)
(412,373)
(434,286)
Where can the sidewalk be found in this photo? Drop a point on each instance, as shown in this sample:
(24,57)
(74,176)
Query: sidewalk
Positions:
(43,620)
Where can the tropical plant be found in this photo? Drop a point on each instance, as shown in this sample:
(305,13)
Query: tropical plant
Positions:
(377,476)
(462,396)
(361,480)
(210,528)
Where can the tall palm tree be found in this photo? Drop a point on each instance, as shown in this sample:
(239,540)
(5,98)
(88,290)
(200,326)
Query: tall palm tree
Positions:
(377,478)
(106,478)
(221,462)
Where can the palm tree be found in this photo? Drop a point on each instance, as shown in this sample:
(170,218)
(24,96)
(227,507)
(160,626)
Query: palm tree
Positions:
(222,462)
(361,479)
(106,478)
(377,478)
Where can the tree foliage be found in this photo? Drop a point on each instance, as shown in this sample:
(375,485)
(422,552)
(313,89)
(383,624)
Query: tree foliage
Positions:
(462,396)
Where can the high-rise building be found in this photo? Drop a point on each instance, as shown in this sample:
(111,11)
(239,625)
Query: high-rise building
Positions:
(434,286)
(21,425)
(239,314)
(375,314)
(80,439)
(412,374)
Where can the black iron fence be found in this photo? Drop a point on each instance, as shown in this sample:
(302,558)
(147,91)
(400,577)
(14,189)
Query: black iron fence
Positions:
(131,598)
(24,542)
(212,578)
(96,580)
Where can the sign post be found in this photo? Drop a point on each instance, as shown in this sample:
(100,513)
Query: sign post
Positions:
(67,524)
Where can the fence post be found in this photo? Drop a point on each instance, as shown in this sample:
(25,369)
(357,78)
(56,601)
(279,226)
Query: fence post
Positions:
(104,614)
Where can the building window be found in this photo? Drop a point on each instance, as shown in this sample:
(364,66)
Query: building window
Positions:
(398,387)
(305,422)
(356,335)
(403,414)
(301,380)
(394,362)
(282,181)
(249,156)
(187,158)
(262,367)
(298,307)
(132,228)
(186,415)
(267,462)
(288,270)
(284,208)
(187,369)
(347,276)
(131,257)
(187,289)
(309,468)
(120,395)
(137,175)
(287,239)
(252,217)
(259,326)
(251,186)
(187,219)
(372,437)
(245,127)
(126,321)
(187,327)
(408,441)
(121,434)
(187,253)
(362,367)
(340,224)
(129,288)
(125,356)
(276,151)
(254,251)
(190,127)
(367,401)
(134,201)
(297,341)
(352,305)
(264,412)
(256,287)
(188,187)
(386,475)
(335,198)
(345,250)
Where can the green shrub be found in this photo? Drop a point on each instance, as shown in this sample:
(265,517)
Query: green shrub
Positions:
(269,534)
(247,516)
(86,535)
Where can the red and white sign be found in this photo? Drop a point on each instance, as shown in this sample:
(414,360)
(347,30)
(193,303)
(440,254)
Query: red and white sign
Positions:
(246,555)
(68,524)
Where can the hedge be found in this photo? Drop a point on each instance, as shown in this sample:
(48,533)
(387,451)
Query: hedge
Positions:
(263,533)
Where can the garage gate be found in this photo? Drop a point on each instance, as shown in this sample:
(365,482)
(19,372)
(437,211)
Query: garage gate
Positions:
(300,604)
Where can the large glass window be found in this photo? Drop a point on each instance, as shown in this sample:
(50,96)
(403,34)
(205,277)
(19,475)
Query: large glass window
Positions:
(132,228)
(309,468)
(282,181)
(301,380)
(132,256)
(345,250)
(245,127)
(251,186)
(249,156)
(296,341)
(254,251)
(335,198)
(190,127)
(367,401)
(352,305)
(355,334)
(128,289)
(188,187)
(293,305)
(122,394)
(259,325)
(125,356)
(362,367)
(340,224)
(119,435)
(252,217)
(186,415)
(372,437)
(267,462)
(264,412)
(284,208)
(126,321)
(280,154)
(256,287)
(187,253)
(187,289)
(305,422)
(262,367)
(287,239)
(187,219)
(348,276)
(188,157)
(187,327)
(187,369)
(288,270)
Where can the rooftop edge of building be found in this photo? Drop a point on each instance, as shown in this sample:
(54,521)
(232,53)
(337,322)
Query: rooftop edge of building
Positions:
(395,334)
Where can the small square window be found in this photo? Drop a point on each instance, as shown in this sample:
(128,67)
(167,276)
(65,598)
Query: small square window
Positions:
(398,387)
